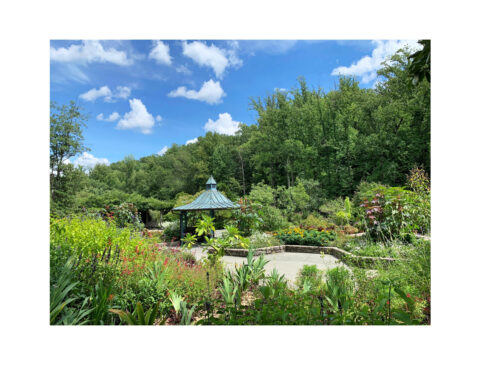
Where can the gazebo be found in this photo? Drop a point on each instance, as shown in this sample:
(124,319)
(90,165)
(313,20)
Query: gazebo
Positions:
(210,200)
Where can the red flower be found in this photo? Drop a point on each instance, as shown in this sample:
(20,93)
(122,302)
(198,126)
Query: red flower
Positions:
(166,261)
(408,295)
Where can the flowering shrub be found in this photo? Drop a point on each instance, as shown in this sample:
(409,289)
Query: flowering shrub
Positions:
(299,236)
(391,212)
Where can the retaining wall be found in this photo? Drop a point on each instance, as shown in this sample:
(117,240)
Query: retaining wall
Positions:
(344,256)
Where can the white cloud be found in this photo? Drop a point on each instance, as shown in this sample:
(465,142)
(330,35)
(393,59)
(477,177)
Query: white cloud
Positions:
(105,92)
(194,140)
(210,92)
(122,92)
(94,94)
(367,66)
(89,52)
(163,151)
(160,53)
(267,46)
(137,118)
(183,70)
(223,125)
(88,161)
(158,118)
(114,116)
(211,56)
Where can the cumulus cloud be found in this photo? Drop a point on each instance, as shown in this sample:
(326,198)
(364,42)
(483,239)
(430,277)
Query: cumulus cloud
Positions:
(210,92)
(94,94)
(114,116)
(211,56)
(223,125)
(194,140)
(367,66)
(158,118)
(121,92)
(160,53)
(138,118)
(89,52)
(163,151)
(88,161)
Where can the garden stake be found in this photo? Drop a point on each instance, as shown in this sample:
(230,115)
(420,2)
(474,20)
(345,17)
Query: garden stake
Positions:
(108,255)
(103,254)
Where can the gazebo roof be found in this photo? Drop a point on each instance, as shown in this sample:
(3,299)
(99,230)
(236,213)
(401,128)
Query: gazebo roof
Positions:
(210,199)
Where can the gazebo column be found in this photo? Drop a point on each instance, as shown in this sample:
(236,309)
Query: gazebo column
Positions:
(211,213)
(183,225)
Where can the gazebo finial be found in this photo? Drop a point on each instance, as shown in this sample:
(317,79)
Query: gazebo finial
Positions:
(211,183)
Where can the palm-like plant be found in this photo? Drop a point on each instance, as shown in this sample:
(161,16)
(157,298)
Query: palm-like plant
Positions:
(60,292)
(180,307)
(230,291)
(138,317)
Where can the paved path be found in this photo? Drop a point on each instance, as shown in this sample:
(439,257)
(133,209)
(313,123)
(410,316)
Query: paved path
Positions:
(288,264)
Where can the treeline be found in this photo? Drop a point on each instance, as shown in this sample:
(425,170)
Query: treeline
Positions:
(336,139)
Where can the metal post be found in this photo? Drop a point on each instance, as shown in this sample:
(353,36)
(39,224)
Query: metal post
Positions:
(185,222)
(182,226)
(211,213)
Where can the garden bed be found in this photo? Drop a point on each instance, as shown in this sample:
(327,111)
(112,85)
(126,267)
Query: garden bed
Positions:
(344,256)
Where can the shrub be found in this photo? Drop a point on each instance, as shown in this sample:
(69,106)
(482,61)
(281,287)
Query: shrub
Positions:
(262,194)
(310,274)
(247,219)
(171,231)
(299,236)
(124,214)
(272,219)
(390,212)
(317,222)
(330,207)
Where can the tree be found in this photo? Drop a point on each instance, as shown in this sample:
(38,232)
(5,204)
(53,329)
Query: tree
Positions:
(66,141)
(419,67)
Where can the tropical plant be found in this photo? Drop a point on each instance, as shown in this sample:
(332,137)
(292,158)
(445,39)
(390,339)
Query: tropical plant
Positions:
(60,292)
(138,317)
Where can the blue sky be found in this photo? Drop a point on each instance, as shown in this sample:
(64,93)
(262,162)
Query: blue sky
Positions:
(143,96)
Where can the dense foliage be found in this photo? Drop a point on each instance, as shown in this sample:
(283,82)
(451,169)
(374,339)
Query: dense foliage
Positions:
(101,274)
(308,145)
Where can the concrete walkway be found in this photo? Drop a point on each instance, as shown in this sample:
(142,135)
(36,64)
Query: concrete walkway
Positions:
(288,264)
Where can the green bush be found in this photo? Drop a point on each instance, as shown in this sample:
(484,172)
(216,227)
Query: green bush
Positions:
(298,236)
(247,219)
(330,207)
(317,222)
(272,219)
(171,231)
(310,274)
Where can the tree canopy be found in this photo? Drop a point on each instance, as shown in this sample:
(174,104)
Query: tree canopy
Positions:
(324,142)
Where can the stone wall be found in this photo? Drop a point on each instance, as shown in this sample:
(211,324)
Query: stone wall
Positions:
(259,251)
(346,257)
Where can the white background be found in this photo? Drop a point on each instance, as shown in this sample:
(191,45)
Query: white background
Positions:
(456,342)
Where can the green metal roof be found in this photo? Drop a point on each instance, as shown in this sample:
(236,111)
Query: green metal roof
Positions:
(210,199)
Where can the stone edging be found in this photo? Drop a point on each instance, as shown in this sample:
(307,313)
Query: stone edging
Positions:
(344,256)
